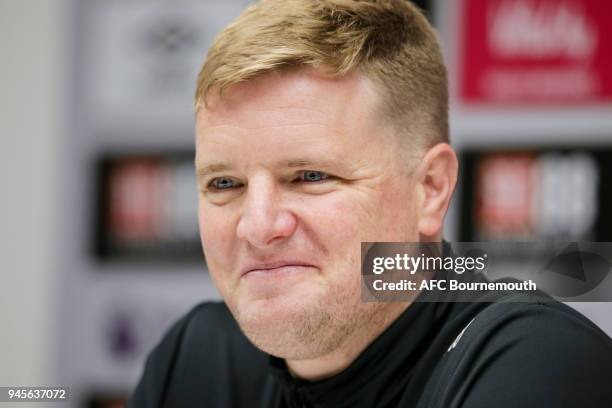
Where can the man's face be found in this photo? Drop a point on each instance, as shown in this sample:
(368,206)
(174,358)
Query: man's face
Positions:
(295,170)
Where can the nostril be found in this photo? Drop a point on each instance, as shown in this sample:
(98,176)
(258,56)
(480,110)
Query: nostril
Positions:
(261,230)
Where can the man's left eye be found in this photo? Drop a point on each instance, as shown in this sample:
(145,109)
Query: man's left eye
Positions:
(313,176)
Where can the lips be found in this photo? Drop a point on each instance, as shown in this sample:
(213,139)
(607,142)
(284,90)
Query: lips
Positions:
(272,265)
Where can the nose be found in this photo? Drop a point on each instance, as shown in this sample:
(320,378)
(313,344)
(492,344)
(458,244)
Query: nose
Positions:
(264,221)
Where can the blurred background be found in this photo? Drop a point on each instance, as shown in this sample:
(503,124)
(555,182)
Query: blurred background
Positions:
(100,248)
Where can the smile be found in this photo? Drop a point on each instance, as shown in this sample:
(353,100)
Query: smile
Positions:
(277,271)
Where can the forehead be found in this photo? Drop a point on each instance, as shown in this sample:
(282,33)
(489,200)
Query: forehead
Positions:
(284,113)
(291,97)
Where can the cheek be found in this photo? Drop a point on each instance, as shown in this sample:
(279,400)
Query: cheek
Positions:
(334,224)
(361,216)
(387,213)
(398,221)
(335,219)
(216,234)
(334,229)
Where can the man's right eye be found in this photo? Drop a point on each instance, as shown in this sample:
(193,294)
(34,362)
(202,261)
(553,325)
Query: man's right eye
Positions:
(222,183)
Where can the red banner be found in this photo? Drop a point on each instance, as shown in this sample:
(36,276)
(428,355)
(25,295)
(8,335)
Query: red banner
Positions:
(536,51)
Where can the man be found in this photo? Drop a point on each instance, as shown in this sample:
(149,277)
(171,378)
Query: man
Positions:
(322,124)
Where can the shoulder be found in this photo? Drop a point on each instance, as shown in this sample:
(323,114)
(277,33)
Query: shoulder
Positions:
(206,315)
(210,327)
(195,357)
(550,325)
(203,323)
(208,332)
(527,351)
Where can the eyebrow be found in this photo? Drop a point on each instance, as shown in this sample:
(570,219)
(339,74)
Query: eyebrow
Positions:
(308,163)
(212,168)
(292,163)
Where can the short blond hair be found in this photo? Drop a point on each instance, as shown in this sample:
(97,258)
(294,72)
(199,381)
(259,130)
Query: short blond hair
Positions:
(389,41)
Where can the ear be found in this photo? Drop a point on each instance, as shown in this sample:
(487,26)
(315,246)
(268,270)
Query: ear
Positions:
(437,180)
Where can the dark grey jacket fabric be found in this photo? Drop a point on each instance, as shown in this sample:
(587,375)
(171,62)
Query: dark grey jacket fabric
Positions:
(504,351)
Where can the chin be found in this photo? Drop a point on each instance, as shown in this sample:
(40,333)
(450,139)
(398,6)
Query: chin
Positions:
(269,312)
(281,326)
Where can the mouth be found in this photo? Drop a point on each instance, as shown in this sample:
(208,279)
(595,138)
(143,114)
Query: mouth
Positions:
(275,267)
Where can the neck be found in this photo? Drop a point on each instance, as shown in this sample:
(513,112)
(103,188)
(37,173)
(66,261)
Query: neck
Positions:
(341,357)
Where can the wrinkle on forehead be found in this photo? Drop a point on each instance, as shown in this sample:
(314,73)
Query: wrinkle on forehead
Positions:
(297,112)
(280,122)
(304,93)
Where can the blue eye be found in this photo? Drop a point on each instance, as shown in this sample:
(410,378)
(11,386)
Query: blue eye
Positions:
(222,183)
(313,176)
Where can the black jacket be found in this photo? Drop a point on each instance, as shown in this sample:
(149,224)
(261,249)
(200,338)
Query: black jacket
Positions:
(510,351)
